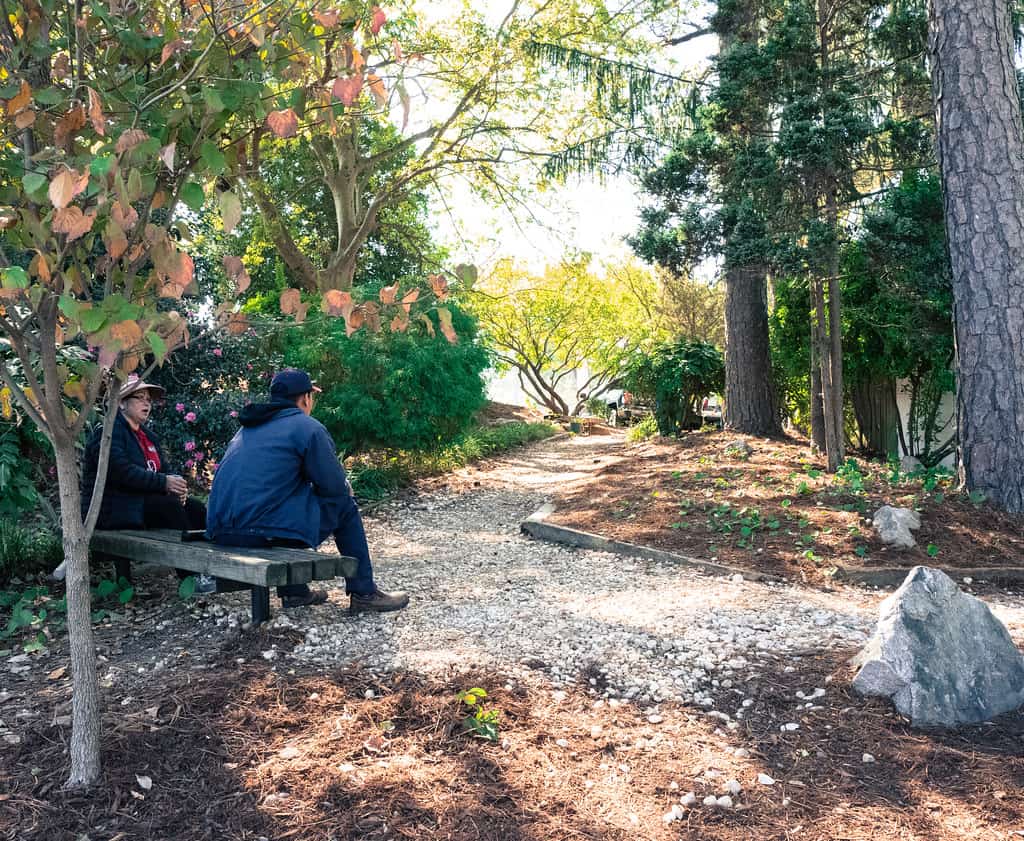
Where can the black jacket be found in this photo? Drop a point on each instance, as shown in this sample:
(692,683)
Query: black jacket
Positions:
(128,479)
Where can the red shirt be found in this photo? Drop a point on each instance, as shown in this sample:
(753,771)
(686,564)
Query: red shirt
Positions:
(149,450)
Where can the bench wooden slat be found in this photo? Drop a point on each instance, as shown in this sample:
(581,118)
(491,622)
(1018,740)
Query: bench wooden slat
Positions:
(299,565)
(196,557)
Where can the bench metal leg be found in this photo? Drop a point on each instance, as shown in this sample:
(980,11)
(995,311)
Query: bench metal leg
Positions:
(123,569)
(260,605)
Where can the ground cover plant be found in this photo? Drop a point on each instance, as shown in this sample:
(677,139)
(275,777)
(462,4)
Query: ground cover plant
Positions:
(779,511)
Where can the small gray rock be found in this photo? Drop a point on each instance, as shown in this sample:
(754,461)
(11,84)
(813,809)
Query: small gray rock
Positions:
(941,655)
(894,526)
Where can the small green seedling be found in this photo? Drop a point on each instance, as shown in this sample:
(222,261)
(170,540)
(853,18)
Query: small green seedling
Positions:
(481,723)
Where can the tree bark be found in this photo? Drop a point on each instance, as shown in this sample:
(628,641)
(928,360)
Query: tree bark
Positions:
(874,403)
(750,402)
(981,158)
(817,408)
(85,700)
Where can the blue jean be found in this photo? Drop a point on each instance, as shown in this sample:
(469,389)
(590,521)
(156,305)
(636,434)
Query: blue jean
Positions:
(341,518)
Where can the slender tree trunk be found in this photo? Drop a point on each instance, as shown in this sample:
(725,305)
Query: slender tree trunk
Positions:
(817,404)
(981,159)
(750,402)
(85,699)
(833,432)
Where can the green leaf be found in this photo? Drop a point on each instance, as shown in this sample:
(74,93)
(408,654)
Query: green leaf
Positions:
(69,306)
(212,157)
(101,166)
(99,615)
(932,550)
(105,588)
(187,587)
(157,345)
(49,96)
(214,104)
(15,277)
(34,182)
(861,551)
(125,595)
(92,320)
(192,195)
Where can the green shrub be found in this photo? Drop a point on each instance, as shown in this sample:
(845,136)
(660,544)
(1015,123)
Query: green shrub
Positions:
(676,376)
(405,391)
(25,551)
(646,428)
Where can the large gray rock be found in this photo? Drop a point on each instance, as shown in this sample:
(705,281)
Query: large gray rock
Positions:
(894,526)
(941,655)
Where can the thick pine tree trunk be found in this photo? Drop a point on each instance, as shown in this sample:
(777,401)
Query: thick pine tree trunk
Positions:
(750,402)
(981,159)
(85,699)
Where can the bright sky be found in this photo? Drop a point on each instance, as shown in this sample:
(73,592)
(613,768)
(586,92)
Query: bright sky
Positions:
(584,215)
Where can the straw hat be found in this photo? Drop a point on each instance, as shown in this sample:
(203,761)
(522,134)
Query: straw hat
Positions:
(134,383)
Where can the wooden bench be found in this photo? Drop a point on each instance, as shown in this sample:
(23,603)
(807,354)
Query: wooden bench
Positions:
(252,569)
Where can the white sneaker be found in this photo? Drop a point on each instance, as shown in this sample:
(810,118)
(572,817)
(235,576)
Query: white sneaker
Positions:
(206,584)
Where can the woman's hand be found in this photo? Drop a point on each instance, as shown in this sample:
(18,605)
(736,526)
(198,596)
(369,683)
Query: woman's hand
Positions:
(177,486)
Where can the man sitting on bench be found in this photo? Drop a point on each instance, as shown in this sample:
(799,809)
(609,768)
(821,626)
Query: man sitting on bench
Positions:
(280,484)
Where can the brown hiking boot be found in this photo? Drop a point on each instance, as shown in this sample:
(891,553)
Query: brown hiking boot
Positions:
(312,597)
(378,601)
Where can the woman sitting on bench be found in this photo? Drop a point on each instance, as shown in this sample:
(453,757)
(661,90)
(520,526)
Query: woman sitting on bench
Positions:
(142,489)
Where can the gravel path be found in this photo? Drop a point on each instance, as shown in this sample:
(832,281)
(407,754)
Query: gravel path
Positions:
(483,595)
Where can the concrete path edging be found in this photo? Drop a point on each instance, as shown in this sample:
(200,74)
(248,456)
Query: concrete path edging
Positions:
(887,577)
(536,527)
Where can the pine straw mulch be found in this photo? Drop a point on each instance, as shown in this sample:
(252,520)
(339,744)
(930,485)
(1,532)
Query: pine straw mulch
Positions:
(255,753)
(778,511)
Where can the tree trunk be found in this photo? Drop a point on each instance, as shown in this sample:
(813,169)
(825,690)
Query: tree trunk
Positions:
(833,432)
(85,699)
(874,403)
(981,159)
(817,408)
(750,403)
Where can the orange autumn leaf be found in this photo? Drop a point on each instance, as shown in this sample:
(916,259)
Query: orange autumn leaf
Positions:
(67,125)
(128,333)
(445,317)
(400,323)
(237,323)
(439,285)
(377,20)
(20,100)
(283,123)
(74,223)
(335,302)
(347,90)
(290,301)
(114,239)
(380,93)
(170,49)
(388,294)
(40,267)
(130,139)
(353,321)
(327,20)
(25,119)
(124,215)
(96,113)
(409,298)
(237,273)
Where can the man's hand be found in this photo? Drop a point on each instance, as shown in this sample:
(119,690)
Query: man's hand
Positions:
(177,486)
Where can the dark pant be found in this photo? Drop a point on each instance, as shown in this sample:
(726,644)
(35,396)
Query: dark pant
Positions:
(161,511)
(341,520)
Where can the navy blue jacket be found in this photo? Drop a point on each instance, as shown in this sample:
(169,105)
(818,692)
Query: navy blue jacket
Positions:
(280,477)
(128,478)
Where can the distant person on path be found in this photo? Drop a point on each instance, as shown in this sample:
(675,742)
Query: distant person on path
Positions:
(280,484)
(142,490)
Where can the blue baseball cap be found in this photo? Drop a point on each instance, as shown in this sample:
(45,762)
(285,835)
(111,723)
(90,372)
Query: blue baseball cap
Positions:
(291,382)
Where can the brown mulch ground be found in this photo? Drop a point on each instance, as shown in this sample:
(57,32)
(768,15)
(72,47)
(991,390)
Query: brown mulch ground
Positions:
(778,511)
(252,753)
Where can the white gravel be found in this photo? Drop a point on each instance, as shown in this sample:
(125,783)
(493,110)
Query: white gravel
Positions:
(483,595)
